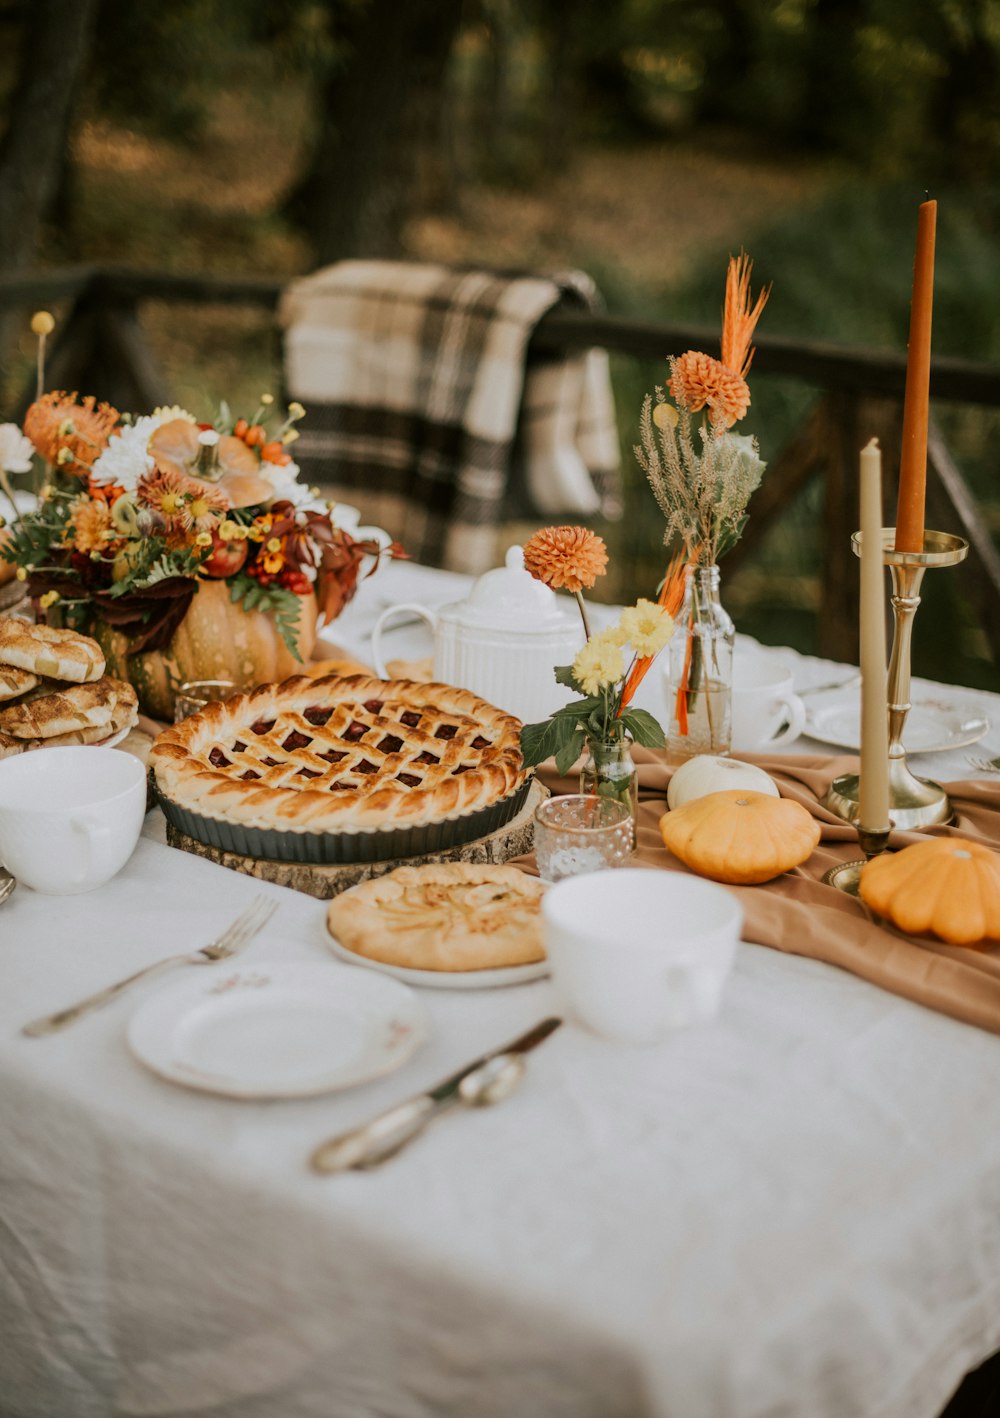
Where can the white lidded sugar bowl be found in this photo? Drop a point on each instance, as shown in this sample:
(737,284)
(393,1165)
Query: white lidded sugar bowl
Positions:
(503,641)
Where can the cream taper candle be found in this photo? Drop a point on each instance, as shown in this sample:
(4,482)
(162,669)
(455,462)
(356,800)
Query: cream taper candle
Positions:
(873,788)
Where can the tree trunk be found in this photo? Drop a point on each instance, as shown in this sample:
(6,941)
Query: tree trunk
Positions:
(379,130)
(54,45)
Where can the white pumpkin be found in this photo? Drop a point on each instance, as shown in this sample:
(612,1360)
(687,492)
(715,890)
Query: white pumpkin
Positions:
(709,774)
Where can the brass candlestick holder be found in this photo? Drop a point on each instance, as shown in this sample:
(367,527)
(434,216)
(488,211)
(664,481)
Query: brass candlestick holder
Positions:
(847,875)
(913,802)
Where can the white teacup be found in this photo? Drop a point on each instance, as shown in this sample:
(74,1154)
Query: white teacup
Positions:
(70,817)
(637,953)
(767,713)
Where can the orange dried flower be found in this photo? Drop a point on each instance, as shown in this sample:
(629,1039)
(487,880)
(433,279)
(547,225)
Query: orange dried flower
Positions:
(697,380)
(57,422)
(739,317)
(573,557)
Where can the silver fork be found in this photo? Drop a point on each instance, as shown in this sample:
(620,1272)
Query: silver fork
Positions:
(232,939)
(985,765)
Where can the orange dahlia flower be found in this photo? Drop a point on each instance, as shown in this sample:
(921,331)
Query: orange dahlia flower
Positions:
(565,556)
(58,424)
(698,381)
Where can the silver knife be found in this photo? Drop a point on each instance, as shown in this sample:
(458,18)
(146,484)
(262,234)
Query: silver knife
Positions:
(374,1142)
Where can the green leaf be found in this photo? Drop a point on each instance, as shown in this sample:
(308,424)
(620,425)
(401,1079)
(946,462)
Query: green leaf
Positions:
(570,751)
(564,675)
(597,725)
(277,601)
(541,741)
(578,708)
(643,728)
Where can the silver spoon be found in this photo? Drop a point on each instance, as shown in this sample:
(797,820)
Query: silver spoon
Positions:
(492,1081)
(375,1142)
(7,883)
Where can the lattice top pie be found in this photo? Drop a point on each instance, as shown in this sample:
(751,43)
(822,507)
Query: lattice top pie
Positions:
(340,754)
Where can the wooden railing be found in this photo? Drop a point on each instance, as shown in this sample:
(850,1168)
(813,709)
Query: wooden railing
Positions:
(859,394)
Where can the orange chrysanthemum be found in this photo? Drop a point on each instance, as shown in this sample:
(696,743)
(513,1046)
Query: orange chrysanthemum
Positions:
(565,556)
(90,521)
(698,381)
(58,424)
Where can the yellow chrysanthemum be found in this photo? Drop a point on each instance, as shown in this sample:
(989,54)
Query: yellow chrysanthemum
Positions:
(573,557)
(599,664)
(646,626)
(698,381)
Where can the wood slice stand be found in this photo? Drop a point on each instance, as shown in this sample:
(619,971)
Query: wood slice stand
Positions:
(325,881)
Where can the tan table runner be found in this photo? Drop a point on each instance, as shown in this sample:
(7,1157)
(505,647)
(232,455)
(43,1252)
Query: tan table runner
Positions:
(797,913)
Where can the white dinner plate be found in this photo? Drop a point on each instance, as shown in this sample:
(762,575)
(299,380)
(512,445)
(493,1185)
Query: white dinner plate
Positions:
(113,740)
(275,1030)
(446,979)
(932,725)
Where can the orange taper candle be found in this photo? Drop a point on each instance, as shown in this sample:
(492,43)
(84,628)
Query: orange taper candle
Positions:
(913,456)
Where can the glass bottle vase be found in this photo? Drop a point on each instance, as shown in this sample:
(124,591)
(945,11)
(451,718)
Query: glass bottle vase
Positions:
(700,670)
(609,770)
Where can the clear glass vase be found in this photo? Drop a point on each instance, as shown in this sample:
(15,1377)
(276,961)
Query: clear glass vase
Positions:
(608,770)
(700,674)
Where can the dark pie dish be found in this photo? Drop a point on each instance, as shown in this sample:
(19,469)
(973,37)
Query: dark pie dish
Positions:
(341,770)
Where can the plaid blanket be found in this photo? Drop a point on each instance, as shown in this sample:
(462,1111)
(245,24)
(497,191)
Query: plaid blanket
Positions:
(422,407)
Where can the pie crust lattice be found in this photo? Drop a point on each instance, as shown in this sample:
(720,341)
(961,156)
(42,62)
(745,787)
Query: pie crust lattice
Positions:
(341,754)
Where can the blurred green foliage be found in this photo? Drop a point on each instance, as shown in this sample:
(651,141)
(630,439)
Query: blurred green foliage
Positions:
(839,277)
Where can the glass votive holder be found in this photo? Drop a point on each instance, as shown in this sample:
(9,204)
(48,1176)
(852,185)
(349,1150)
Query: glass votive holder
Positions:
(194,694)
(579,833)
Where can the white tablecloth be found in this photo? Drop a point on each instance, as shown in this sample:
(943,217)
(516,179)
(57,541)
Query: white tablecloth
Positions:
(794,1210)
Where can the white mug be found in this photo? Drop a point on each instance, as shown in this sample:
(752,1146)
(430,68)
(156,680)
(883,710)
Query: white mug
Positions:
(637,953)
(70,817)
(767,713)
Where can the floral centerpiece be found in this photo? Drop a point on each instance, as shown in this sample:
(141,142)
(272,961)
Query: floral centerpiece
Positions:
(190,550)
(602,722)
(703,475)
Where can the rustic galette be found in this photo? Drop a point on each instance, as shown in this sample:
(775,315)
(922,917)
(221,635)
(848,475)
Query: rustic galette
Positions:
(443,916)
(340,754)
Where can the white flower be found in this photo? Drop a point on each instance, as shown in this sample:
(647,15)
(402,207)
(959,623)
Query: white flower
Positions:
(284,478)
(126,460)
(15,450)
(166,413)
(281,476)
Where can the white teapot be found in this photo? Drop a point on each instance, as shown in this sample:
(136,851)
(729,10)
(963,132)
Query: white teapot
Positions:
(503,642)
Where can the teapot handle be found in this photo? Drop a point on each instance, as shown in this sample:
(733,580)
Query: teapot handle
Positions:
(411,607)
